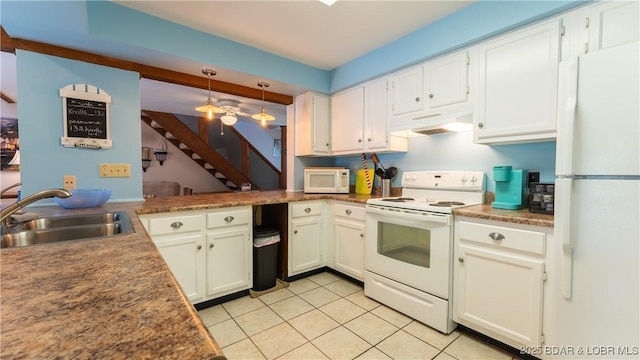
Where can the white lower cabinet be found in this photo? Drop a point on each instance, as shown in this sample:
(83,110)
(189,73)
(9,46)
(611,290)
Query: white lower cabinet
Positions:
(209,252)
(306,236)
(348,239)
(499,280)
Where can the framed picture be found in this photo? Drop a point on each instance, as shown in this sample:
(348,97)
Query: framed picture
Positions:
(277,148)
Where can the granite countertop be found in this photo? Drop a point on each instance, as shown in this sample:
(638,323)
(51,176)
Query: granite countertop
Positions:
(116,297)
(522,216)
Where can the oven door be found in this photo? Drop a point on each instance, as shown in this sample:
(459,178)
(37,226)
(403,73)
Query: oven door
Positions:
(410,247)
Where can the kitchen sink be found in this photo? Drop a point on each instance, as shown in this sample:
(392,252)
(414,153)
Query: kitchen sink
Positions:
(64,228)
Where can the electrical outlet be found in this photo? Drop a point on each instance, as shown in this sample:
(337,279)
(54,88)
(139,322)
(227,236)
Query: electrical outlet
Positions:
(69,182)
(534,176)
(115,170)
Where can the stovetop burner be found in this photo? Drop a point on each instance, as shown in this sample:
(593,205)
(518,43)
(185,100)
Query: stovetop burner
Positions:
(447,203)
(400,199)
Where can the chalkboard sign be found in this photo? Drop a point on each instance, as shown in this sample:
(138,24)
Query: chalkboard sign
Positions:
(86,117)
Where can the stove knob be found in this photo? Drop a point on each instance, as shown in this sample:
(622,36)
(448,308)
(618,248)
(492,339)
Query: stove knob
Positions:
(474,179)
(464,178)
(406,176)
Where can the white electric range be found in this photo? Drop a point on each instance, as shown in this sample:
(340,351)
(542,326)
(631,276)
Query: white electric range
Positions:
(409,243)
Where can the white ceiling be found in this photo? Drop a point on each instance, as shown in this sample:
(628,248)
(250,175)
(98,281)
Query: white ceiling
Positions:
(306,31)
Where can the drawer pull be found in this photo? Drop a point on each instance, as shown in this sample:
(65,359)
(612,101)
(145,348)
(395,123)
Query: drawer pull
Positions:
(229,219)
(211,246)
(348,211)
(199,247)
(307,210)
(176,225)
(496,236)
(460,259)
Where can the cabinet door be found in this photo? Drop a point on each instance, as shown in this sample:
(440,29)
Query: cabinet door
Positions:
(518,86)
(448,80)
(305,244)
(613,23)
(347,116)
(185,256)
(321,124)
(499,293)
(376,129)
(349,248)
(407,90)
(229,261)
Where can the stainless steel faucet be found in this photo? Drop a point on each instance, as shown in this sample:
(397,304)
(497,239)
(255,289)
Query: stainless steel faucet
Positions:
(6,213)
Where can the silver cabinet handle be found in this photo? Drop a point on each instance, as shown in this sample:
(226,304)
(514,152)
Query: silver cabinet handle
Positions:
(480,125)
(307,210)
(199,247)
(211,246)
(229,219)
(176,225)
(496,236)
(348,211)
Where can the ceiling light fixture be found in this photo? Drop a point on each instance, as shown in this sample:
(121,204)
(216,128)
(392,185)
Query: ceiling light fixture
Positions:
(263,116)
(208,107)
(229,118)
(328,2)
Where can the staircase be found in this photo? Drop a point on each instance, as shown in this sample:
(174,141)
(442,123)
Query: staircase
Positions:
(197,149)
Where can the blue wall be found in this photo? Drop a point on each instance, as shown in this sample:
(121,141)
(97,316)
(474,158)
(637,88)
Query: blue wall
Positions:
(456,151)
(44,160)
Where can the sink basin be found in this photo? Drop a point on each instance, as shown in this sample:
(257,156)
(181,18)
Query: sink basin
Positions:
(71,220)
(64,228)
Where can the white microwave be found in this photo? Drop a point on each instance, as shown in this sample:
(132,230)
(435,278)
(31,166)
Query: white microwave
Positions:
(326,180)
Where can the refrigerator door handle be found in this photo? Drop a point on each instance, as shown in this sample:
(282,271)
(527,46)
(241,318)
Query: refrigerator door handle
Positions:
(563,230)
(568,92)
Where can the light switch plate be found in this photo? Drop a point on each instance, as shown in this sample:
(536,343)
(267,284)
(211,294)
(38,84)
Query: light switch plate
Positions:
(115,170)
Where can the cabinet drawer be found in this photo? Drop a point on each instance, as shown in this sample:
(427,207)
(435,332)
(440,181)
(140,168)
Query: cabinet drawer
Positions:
(175,224)
(506,238)
(349,211)
(306,209)
(228,218)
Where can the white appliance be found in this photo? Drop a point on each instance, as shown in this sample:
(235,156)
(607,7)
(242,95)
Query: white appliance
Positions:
(326,180)
(597,201)
(409,243)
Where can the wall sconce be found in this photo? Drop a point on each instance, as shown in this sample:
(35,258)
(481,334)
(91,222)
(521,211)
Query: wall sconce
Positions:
(145,164)
(146,158)
(161,151)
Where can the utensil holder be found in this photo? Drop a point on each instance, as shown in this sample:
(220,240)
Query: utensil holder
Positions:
(386,187)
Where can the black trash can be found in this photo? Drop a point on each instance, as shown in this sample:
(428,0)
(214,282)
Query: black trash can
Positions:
(265,257)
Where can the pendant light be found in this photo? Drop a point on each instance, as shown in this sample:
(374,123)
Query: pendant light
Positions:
(263,116)
(208,107)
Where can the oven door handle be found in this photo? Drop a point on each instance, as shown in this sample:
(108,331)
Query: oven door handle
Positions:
(410,214)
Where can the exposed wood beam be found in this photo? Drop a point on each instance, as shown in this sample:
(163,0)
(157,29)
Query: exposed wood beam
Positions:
(10,44)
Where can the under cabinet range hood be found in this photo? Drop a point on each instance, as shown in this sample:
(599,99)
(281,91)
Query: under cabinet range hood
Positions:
(452,119)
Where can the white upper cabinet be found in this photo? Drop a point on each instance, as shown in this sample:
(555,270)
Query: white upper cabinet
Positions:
(447,80)
(359,121)
(406,92)
(518,81)
(613,23)
(347,121)
(312,124)
(600,26)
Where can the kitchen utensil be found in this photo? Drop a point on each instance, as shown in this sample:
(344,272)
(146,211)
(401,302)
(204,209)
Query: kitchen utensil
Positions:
(376,161)
(391,172)
(366,171)
(380,172)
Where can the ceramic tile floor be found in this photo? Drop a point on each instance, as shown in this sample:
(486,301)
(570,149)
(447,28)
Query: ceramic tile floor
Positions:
(327,317)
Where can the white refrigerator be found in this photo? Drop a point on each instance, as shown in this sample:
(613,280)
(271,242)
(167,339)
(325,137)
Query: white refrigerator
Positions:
(597,231)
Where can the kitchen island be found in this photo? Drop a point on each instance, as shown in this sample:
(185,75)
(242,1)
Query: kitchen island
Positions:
(115,297)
